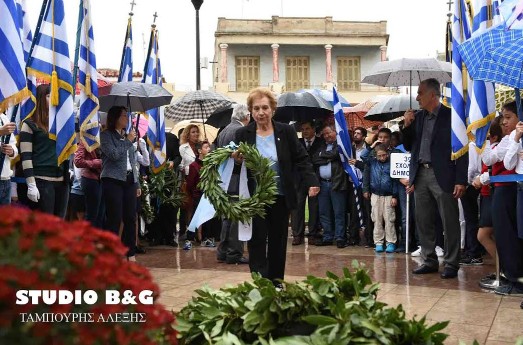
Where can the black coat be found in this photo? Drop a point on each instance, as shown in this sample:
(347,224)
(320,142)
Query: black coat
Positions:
(172,148)
(448,172)
(292,157)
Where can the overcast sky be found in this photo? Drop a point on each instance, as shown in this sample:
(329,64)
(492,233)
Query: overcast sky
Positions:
(416,27)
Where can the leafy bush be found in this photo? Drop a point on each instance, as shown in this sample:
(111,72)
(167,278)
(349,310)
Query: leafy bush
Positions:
(332,310)
(42,252)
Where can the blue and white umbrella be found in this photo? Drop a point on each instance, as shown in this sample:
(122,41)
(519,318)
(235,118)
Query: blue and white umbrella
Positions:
(504,65)
(328,96)
(473,51)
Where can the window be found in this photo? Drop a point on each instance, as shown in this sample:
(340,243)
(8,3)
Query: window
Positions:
(297,73)
(247,73)
(349,76)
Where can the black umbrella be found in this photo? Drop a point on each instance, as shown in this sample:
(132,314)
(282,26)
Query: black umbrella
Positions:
(138,97)
(299,107)
(220,117)
(391,108)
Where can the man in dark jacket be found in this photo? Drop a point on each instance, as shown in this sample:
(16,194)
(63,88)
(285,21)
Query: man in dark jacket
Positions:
(333,190)
(164,226)
(312,144)
(230,249)
(436,180)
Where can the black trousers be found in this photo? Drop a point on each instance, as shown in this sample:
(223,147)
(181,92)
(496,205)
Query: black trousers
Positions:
(508,244)
(163,228)
(268,245)
(120,205)
(94,205)
(353,229)
(54,196)
(298,215)
(469,202)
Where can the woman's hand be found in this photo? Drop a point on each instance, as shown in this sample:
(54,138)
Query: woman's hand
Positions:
(393,202)
(237,156)
(132,135)
(313,191)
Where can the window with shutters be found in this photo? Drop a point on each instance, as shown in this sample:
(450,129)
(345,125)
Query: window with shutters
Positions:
(297,73)
(247,73)
(349,75)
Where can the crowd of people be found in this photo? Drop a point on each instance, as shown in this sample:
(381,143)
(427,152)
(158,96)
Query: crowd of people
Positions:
(105,187)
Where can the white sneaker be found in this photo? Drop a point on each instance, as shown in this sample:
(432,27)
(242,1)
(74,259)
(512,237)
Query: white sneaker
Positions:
(131,258)
(440,251)
(417,252)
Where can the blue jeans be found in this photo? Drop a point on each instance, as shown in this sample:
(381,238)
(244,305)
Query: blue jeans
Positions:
(332,212)
(402,198)
(5,192)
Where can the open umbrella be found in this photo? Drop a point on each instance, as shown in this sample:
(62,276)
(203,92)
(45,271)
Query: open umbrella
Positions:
(301,106)
(474,51)
(137,97)
(328,96)
(408,72)
(199,104)
(392,107)
(142,125)
(221,117)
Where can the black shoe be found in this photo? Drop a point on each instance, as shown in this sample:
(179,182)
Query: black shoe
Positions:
(341,244)
(236,261)
(171,243)
(220,259)
(449,273)
(511,289)
(155,242)
(324,243)
(424,269)
(140,250)
(521,305)
(470,261)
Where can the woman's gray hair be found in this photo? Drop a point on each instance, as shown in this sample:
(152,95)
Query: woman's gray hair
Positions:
(240,112)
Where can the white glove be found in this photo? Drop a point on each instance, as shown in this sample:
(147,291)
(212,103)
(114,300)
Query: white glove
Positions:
(143,147)
(32,192)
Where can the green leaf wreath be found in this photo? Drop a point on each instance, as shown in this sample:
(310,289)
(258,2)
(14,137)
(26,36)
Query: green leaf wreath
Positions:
(244,209)
(165,186)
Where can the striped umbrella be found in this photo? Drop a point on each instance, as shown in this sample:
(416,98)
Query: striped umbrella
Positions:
(198,104)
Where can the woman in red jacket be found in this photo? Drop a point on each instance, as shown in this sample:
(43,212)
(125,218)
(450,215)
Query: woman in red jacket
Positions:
(91,165)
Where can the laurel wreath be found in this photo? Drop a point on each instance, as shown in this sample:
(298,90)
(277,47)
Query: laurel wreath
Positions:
(246,208)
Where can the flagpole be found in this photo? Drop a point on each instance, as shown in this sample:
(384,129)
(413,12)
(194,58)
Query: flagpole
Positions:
(77,47)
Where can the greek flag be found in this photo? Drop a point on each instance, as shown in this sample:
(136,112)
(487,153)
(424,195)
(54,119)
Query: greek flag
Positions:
(512,13)
(345,148)
(482,100)
(27,107)
(156,130)
(126,66)
(460,32)
(88,119)
(49,60)
(13,86)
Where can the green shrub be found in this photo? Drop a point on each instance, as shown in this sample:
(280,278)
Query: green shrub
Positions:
(331,311)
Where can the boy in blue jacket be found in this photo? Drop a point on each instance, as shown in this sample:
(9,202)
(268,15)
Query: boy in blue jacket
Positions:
(383,192)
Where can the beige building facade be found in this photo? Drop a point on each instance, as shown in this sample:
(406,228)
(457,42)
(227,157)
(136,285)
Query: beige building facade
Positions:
(289,54)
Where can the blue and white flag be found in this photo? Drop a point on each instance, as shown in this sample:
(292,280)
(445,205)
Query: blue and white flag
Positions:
(126,65)
(156,129)
(482,101)
(343,139)
(460,32)
(50,61)
(13,85)
(512,13)
(88,117)
(25,28)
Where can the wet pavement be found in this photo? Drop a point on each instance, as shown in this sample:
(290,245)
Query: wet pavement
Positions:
(473,313)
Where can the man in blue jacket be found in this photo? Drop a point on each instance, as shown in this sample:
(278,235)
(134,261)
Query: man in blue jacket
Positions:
(435,179)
